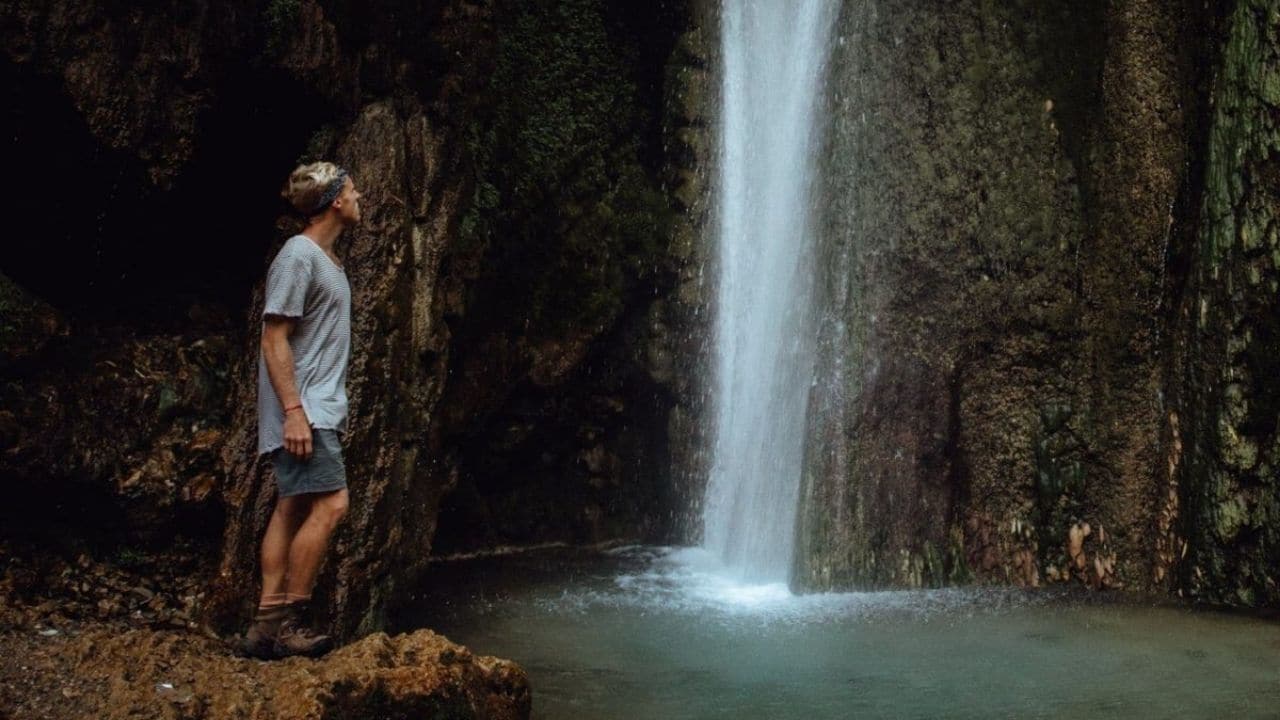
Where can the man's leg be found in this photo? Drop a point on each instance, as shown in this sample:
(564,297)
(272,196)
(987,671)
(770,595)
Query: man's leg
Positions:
(285,520)
(309,544)
(287,517)
(306,551)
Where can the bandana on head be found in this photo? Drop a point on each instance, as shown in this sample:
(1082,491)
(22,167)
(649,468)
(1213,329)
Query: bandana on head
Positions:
(331,193)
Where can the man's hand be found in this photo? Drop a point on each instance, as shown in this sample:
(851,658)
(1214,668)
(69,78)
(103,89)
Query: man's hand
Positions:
(278,357)
(297,434)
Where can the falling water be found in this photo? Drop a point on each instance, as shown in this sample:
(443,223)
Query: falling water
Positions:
(774,54)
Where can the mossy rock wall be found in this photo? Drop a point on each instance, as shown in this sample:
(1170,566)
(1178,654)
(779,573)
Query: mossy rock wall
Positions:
(563,369)
(991,397)
(1227,447)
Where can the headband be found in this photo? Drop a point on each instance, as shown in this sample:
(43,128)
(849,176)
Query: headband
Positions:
(331,193)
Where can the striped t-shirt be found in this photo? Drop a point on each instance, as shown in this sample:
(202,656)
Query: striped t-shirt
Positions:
(306,284)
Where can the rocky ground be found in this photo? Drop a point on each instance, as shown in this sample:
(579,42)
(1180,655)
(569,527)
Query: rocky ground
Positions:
(130,589)
(115,638)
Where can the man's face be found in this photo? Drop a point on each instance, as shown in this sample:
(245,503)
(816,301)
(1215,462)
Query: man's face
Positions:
(348,203)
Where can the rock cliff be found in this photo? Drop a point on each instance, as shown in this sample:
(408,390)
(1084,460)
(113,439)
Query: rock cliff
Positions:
(1049,282)
(515,358)
(1051,299)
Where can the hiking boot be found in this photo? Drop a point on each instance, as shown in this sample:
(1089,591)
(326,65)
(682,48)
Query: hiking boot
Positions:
(295,638)
(260,640)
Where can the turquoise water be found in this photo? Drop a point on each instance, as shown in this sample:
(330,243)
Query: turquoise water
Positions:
(658,633)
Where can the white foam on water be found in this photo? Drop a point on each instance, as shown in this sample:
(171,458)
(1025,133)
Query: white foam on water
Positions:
(695,582)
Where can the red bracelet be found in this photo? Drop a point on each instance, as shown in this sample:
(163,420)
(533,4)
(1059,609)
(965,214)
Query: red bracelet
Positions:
(291,408)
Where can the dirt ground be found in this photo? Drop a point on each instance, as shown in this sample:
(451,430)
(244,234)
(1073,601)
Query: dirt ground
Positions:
(91,639)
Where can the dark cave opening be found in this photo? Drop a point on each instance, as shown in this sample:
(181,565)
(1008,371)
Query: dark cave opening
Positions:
(108,247)
(122,256)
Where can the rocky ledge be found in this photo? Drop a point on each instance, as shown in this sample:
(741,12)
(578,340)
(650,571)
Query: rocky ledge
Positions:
(106,672)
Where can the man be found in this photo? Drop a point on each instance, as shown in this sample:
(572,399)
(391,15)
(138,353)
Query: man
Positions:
(302,406)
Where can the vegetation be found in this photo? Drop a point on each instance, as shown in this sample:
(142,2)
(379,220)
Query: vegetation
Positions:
(566,211)
(1230,487)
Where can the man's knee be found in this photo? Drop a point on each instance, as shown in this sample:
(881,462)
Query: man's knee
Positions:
(332,506)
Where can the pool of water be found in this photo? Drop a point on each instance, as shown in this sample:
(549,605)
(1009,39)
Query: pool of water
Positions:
(661,633)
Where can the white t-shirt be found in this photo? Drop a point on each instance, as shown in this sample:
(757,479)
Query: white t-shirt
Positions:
(306,284)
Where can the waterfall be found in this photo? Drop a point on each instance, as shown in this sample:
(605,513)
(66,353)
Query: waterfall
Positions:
(773,56)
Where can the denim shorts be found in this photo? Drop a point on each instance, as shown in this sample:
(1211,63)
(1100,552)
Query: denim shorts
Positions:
(324,472)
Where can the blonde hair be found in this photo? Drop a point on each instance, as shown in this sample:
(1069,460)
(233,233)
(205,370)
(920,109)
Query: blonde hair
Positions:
(308,184)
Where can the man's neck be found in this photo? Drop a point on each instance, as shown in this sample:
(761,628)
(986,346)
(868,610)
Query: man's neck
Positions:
(325,231)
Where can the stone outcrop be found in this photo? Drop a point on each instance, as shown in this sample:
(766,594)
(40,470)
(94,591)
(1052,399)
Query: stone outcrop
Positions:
(555,418)
(141,673)
(1219,535)
(955,221)
(513,367)
(1051,301)
(122,436)
(680,325)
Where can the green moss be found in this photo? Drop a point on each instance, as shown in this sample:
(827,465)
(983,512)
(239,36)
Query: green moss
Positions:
(958,570)
(1231,493)
(128,557)
(279,17)
(935,570)
(562,203)
(166,400)
(1232,516)
(1060,479)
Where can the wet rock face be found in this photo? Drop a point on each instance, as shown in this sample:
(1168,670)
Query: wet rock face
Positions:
(679,326)
(1000,212)
(1223,449)
(955,223)
(557,417)
(1053,302)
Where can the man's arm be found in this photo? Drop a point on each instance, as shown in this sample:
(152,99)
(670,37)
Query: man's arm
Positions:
(278,357)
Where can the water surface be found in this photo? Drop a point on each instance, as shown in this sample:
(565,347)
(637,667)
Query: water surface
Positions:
(659,633)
